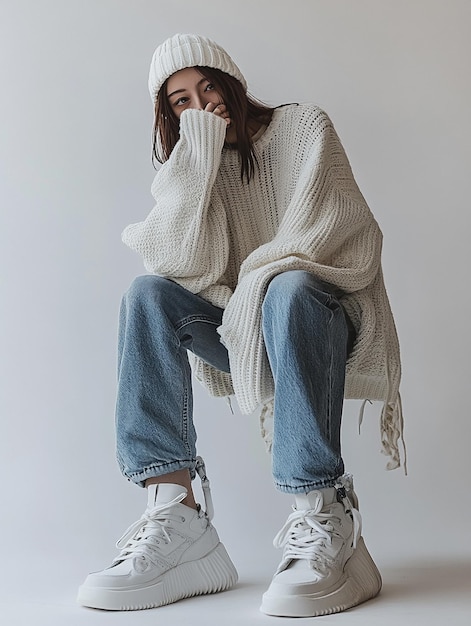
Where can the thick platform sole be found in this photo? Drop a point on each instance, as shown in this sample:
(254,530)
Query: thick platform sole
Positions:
(361,582)
(210,574)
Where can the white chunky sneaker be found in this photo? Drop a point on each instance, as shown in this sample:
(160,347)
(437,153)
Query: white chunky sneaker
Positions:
(171,552)
(326,567)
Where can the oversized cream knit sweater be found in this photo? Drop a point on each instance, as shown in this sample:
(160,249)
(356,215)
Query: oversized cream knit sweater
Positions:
(225,239)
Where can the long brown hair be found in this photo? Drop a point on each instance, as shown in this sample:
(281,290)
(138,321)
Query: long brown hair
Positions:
(243,108)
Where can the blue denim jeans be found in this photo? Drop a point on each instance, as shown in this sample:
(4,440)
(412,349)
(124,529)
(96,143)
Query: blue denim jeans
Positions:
(307,337)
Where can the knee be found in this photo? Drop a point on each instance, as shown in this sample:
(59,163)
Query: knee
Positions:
(299,289)
(288,286)
(147,288)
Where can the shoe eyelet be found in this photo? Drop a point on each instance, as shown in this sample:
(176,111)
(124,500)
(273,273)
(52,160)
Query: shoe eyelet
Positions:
(183,519)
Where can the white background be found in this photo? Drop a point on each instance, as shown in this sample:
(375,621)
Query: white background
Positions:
(75,169)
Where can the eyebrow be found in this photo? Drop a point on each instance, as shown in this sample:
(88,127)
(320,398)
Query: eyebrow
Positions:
(182,90)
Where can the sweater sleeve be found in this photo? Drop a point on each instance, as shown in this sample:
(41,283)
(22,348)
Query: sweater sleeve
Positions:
(184,237)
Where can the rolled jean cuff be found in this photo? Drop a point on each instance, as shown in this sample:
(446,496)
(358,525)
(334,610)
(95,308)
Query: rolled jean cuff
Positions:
(158,469)
(307,487)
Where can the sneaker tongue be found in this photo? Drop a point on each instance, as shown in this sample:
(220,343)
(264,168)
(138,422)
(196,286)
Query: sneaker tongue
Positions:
(305,501)
(163,493)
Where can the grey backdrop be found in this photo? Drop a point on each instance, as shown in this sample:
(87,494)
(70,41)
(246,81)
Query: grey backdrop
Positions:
(75,169)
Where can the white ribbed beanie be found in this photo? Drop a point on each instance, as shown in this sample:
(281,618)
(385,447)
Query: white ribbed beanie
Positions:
(181,51)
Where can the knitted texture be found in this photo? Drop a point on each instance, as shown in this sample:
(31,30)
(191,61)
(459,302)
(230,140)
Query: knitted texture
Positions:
(182,51)
(226,239)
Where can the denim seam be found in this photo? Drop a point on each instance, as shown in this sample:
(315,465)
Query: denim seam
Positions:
(195,318)
(158,469)
(329,386)
(185,413)
(324,484)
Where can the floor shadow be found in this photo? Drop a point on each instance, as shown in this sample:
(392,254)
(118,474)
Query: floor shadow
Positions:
(427,578)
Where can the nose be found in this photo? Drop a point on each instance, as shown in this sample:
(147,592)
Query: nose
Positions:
(199,102)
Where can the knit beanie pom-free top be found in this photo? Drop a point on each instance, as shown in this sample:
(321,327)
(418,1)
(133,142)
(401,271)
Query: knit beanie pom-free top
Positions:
(182,51)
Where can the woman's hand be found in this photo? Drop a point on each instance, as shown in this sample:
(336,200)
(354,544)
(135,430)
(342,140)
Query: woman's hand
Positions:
(220,110)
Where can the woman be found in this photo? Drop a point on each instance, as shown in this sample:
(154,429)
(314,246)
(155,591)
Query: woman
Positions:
(264,267)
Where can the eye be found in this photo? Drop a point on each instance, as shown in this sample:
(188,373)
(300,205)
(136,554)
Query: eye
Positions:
(180,101)
(210,87)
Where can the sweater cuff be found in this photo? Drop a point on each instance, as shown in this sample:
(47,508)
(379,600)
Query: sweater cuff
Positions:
(204,134)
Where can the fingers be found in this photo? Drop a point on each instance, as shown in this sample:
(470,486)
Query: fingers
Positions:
(220,110)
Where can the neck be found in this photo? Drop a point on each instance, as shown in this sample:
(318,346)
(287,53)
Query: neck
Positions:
(254,127)
(231,135)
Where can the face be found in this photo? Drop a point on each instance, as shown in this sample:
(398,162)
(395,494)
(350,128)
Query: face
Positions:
(188,89)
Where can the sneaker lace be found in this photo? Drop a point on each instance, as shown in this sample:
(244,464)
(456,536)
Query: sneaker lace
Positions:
(143,537)
(308,534)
